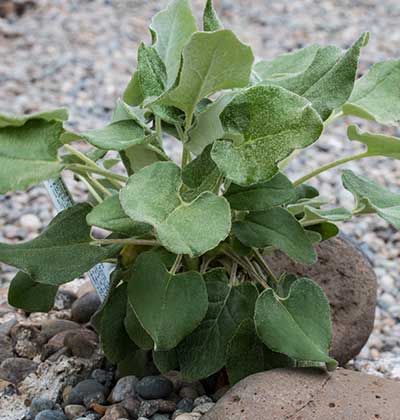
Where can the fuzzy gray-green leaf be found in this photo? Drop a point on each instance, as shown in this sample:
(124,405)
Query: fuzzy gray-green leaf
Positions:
(175,306)
(211,21)
(152,196)
(376,95)
(299,325)
(61,253)
(373,197)
(276,227)
(272,122)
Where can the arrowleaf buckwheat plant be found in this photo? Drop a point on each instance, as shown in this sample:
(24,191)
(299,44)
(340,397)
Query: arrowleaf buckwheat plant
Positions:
(191,288)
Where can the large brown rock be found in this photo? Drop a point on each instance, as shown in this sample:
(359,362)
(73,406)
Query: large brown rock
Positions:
(308,394)
(349,282)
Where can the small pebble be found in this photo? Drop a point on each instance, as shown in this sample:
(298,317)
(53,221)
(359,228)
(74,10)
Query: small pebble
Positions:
(6,347)
(64,299)
(39,404)
(51,415)
(74,410)
(158,416)
(185,405)
(188,392)
(52,327)
(84,307)
(85,389)
(153,387)
(202,400)
(103,377)
(124,388)
(30,222)
(203,408)
(15,369)
(79,345)
(115,412)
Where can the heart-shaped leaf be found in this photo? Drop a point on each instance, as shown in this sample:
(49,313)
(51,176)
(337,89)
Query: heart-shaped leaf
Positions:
(211,22)
(29,295)
(152,196)
(204,351)
(166,361)
(328,80)
(276,227)
(28,149)
(299,325)
(272,122)
(376,95)
(275,192)
(135,330)
(171,30)
(61,253)
(313,216)
(371,197)
(110,215)
(114,339)
(175,306)
(212,61)
(378,144)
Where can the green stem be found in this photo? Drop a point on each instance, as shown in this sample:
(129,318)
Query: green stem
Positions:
(90,188)
(334,116)
(329,166)
(159,130)
(128,241)
(177,264)
(99,186)
(264,265)
(81,156)
(75,167)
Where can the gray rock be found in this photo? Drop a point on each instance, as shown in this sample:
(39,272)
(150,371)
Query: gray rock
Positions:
(350,284)
(39,404)
(203,408)
(148,408)
(309,394)
(51,327)
(85,389)
(15,369)
(202,400)
(84,307)
(26,340)
(64,299)
(123,389)
(79,344)
(74,410)
(185,405)
(6,348)
(153,387)
(51,415)
(95,398)
(103,377)
(6,327)
(158,416)
(115,412)
(132,406)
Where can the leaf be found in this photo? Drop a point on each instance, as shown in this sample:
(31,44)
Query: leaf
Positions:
(119,135)
(171,29)
(275,192)
(276,227)
(297,208)
(299,325)
(245,354)
(371,197)
(9,120)
(324,230)
(285,65)
(212,61)
(28,152)
(328,81)
(152,196)
(272,123)
(204,351)
(135,330)
(208,127)
(123,112)
(175,306)
(30,296)
(211,21)
(200,175)
(114,339)
(376,95)
(378,144)
(306,191)
(61,253)
(166,361)
(110,215)
(313,215)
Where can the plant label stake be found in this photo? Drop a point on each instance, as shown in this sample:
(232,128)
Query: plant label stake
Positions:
(61,198)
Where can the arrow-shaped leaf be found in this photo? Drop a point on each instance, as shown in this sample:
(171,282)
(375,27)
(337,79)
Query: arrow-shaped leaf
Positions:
(211,21)
(175,306)
(299,325)
(372,197)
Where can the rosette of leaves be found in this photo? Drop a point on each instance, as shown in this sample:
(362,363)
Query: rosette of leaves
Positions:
(191,289)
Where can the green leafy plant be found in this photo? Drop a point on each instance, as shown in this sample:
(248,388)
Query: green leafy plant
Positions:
(191,287)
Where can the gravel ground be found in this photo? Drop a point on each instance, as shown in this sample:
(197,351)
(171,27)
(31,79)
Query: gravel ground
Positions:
(80,54)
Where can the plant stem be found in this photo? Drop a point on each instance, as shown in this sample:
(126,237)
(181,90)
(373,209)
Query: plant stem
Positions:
(333,117)
(99,186)
(159,129)
(264,265)
(127,241)
(233,273)
(90,188)
(330,166)
(75,167)
(177,264)
(81,156)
